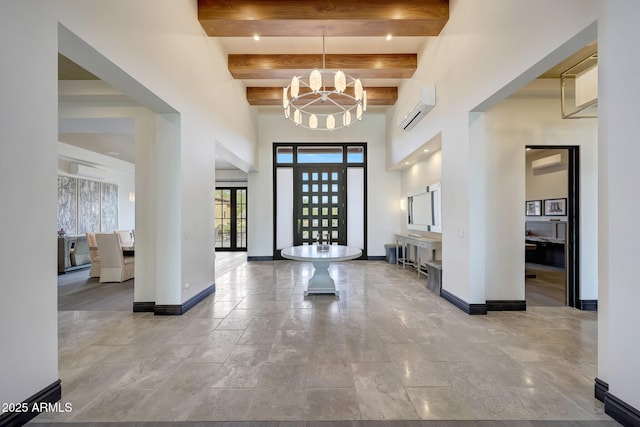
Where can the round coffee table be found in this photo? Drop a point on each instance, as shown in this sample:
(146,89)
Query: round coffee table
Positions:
(321,282)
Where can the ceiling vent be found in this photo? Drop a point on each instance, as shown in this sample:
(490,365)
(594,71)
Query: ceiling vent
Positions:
(426,104)
(86,171)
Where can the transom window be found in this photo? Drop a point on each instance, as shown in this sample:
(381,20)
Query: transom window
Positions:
(312,154)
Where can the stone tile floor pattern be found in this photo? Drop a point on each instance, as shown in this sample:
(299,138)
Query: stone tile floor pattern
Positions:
(386,349)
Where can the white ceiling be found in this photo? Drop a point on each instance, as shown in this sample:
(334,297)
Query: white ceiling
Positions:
(110,136)
(222,164)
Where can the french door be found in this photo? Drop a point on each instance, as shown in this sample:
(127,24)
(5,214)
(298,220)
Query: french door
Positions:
(319,204)
(231,219)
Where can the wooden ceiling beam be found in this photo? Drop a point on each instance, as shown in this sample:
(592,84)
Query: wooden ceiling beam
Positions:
(383,66)
(273,95)
(315,18)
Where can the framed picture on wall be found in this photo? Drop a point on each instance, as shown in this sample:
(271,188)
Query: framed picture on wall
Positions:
(555,207)
(533,208)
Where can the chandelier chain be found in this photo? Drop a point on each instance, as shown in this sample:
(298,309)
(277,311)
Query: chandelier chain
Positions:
(324,64)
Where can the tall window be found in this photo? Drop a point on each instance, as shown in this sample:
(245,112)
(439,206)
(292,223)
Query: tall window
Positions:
(231,218)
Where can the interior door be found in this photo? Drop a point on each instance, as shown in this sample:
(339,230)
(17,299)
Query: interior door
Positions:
(319,204)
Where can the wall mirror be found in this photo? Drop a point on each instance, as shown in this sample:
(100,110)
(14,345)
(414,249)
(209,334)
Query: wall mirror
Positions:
(424,209)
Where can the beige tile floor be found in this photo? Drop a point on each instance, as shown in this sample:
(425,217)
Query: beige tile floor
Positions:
(387,349)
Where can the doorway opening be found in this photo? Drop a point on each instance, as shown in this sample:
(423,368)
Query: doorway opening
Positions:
(552,226)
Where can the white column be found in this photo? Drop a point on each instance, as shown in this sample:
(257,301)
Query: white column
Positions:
(28,159)
(462,202)
(168,211)
(618,178)
(145,224)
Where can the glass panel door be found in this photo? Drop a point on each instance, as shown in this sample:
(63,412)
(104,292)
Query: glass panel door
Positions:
(231,219)
(319,204)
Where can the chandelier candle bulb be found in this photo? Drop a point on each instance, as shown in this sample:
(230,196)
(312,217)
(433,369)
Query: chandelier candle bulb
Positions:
(295,87)
(313,121)
(315,80)
(346,119)
(340,81)
(358,90)
(331,122)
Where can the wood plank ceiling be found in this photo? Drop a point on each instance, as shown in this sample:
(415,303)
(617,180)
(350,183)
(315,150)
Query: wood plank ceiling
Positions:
(364,21)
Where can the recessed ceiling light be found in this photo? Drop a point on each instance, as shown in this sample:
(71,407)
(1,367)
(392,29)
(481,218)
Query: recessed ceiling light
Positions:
(256,37)
(406,163)
(113,153)
(426,150)
(389,37)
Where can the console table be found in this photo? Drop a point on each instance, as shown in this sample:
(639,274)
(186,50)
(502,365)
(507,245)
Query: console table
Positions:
(321,282)
(419,243)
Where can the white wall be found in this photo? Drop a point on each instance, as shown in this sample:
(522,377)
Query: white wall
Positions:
(28,131)
(619,230)
(231,178)
(510,126)
(383,187)
(154,42)
(169,52)
(549,182)
(506,51)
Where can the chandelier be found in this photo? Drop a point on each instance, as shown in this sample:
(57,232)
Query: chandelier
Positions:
(344,101)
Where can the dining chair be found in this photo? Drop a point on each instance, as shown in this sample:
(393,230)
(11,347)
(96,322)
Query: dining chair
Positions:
(125,237)
(115,267)
(94,255)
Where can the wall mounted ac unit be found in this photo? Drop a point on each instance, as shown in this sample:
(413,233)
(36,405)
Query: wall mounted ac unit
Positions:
(426,104)
(545,162)
(86,171)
